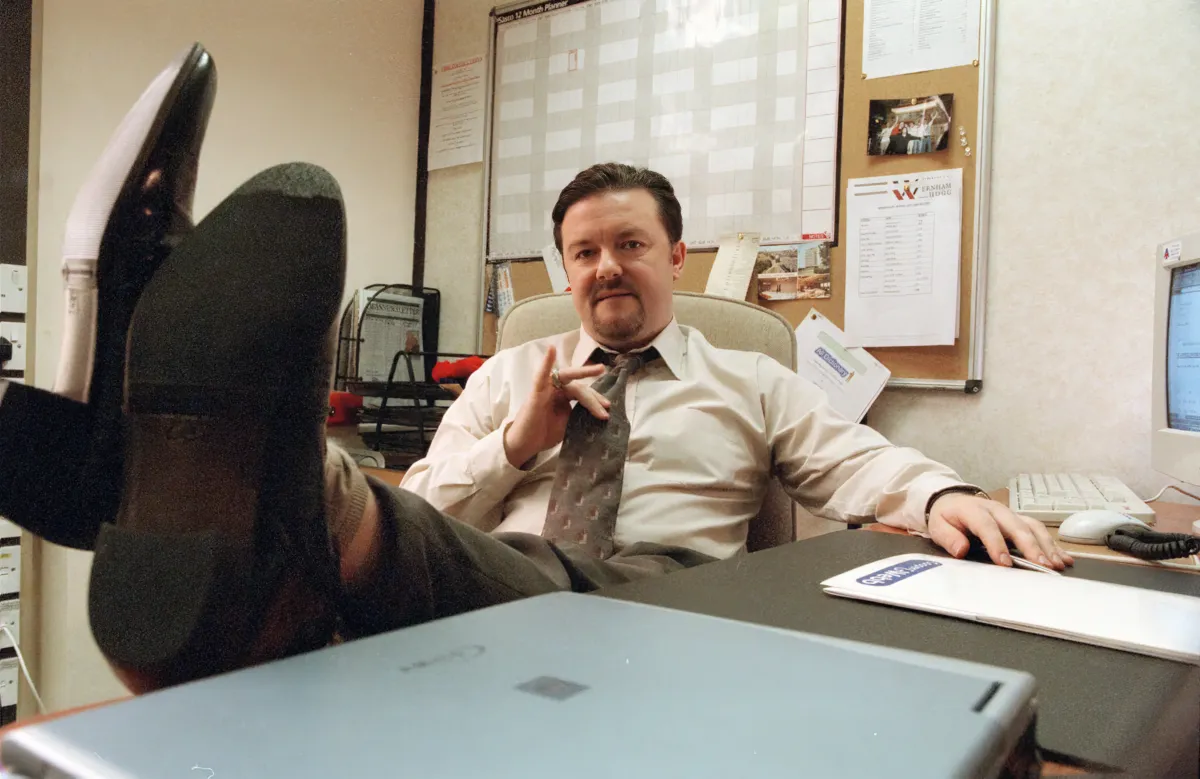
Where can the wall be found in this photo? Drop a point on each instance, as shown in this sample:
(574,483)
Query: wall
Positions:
(323,81)
(1095,161)
(454,236)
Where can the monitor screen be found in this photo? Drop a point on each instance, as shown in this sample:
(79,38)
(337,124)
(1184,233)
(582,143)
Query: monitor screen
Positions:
(1183,350)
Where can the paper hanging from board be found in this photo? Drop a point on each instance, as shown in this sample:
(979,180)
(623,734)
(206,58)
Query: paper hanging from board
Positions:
(733,267)
(851,378)
(911,36)
(555,268)
(457,113)
(903,249)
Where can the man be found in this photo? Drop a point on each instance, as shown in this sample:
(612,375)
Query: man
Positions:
(223,552)
(708,427)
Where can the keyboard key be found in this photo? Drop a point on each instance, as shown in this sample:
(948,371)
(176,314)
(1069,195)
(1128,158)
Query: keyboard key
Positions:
(1039,484)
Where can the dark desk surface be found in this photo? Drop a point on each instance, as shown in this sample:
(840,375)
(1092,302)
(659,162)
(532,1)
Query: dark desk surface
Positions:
(1116,708)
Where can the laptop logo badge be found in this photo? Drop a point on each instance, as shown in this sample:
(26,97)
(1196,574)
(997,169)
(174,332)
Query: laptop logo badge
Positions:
(896,573)
(553,688)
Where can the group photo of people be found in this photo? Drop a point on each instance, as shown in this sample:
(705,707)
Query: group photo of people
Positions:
(916,125)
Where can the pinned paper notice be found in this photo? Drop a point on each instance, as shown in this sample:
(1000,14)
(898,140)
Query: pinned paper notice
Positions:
(850,376)
(902,259)
(554,267)
(731,271)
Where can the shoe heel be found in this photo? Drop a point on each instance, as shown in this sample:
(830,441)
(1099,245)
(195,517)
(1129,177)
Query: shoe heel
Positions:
(174,591)
(171,606)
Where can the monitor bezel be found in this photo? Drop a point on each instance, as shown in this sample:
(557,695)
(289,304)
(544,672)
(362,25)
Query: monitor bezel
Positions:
(1174,453)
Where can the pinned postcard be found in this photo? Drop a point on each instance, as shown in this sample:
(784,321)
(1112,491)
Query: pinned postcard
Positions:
(850,376)
(731,271)
(796,272)
(555,268)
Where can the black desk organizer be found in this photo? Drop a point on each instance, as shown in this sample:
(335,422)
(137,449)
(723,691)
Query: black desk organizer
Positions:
(411,404)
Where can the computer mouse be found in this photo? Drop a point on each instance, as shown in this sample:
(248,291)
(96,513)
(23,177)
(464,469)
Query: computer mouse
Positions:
(1094,525)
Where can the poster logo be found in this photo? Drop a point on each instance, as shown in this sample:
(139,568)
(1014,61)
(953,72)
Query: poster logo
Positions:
(909,193)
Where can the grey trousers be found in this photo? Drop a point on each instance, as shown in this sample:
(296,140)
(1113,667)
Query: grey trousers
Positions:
(433,566)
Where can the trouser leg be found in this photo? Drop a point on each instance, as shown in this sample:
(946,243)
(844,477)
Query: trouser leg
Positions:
(432,566)
(49,482)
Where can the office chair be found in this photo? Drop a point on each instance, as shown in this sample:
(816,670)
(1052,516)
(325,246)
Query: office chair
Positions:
(727,324)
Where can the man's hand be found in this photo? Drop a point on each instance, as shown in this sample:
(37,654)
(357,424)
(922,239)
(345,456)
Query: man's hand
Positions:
(542,421)
(955,514)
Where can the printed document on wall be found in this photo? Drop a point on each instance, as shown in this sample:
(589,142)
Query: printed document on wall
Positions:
(457,113)
(910,36)
(903,249)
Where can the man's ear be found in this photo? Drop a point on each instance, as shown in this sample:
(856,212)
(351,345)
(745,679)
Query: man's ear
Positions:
(678,255)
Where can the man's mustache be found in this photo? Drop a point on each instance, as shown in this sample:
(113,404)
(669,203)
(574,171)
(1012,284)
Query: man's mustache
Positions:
(608,289)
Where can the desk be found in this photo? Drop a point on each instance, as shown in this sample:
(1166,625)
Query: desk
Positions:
(1102,705)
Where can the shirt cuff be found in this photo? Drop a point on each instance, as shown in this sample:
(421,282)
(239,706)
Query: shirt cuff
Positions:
(494,476)
(922,493)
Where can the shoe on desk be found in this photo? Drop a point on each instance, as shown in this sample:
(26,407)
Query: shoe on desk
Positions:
(134,206)
(227,381)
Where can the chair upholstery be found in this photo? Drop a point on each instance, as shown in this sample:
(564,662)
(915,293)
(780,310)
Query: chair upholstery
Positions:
(727,324)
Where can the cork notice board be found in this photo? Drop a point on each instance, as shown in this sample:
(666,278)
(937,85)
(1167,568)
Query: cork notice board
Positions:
(959,366)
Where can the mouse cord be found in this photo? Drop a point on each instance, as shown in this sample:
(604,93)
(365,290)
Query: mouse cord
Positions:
(1159,494)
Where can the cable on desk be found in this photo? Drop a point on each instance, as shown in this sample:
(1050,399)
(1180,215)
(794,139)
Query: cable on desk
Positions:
(1159,494)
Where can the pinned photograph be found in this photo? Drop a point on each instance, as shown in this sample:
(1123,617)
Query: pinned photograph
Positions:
(917,125)
(796,272)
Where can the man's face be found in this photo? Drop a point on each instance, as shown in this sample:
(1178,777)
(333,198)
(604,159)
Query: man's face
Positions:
(622,267)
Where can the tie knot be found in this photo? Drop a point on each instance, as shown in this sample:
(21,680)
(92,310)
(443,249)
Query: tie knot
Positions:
(630,361)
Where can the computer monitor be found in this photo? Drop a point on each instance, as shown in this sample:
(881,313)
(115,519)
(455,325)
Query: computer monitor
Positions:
(1175,431)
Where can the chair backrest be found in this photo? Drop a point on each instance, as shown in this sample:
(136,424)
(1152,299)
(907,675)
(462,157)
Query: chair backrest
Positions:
(727,324)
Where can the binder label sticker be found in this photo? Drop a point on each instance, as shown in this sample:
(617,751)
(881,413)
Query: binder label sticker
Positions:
(896,573)
(1171,252)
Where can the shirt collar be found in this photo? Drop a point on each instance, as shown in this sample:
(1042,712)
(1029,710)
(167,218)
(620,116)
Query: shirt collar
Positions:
(670,344)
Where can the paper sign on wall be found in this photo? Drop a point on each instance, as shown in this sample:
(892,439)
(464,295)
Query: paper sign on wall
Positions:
(457,113)
(903,249)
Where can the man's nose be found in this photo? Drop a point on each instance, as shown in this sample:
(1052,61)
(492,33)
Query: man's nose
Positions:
(608,268)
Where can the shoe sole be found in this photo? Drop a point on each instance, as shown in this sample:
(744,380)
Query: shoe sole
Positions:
(229,361)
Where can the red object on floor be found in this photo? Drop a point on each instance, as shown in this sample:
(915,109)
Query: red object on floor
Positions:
(456,369)
(342,408)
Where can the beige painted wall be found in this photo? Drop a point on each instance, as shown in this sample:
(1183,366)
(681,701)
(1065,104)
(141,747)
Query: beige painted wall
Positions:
(323,81)
(1095,161)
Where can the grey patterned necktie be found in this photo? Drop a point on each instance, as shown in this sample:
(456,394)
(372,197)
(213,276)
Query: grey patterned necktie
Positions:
(591,463)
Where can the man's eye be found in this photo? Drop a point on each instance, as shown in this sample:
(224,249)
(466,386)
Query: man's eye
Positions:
(631,245)
(583,254)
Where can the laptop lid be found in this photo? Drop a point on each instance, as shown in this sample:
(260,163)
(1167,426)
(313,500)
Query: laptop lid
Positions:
(558,685)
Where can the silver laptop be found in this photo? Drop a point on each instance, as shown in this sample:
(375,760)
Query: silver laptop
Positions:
(558,685)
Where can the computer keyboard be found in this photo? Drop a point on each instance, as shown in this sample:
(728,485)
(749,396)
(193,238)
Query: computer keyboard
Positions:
(1052,497)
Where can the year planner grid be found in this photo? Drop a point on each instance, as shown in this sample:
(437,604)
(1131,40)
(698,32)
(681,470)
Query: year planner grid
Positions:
(734,101)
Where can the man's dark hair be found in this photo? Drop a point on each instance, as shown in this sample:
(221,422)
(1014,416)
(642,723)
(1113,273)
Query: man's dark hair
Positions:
(617,177)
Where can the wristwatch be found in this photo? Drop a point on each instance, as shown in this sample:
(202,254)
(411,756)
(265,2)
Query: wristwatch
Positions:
(963,488)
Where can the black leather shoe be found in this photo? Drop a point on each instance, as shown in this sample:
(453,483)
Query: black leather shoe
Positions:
(134,207)
(230,358)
